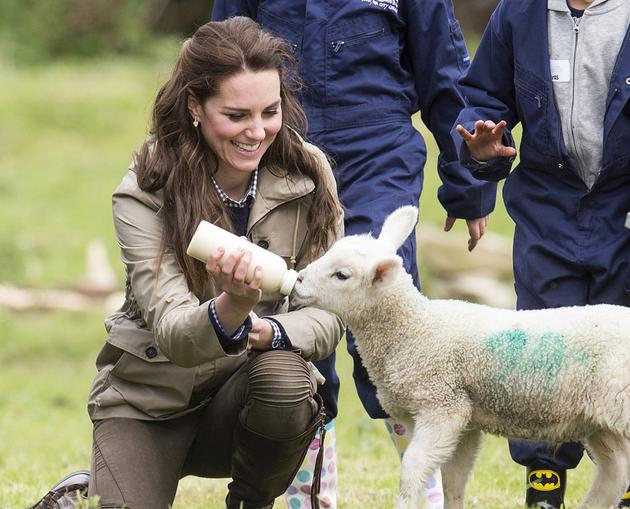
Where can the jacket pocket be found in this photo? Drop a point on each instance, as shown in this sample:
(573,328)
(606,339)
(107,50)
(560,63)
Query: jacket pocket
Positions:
(143,376)
(360,52)
(532,106)
(281,27)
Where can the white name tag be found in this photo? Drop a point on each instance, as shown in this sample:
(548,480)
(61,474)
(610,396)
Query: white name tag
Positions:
(560,70)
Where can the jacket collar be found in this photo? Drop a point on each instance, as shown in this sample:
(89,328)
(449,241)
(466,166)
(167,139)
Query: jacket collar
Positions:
(276,187)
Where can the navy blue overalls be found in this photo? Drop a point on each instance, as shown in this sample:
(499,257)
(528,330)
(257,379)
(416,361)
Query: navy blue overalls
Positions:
(368,65)
(570,244)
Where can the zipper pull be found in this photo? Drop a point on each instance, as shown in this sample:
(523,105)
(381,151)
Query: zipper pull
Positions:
(336,46)
(539,101)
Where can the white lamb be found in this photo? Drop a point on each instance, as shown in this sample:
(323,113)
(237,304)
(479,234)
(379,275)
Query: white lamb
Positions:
(452,369)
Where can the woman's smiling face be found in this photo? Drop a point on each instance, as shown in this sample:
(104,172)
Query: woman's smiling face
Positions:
(241,122)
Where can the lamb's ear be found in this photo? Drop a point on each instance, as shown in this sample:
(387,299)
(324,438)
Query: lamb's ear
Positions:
(398,226)
(384,268)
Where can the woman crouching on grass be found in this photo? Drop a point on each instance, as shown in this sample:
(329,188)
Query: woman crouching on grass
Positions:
(201,373)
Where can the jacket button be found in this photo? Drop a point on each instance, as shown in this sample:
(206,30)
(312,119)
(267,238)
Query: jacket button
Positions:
(263,243)
(560,166)
(151,352)
(628,81)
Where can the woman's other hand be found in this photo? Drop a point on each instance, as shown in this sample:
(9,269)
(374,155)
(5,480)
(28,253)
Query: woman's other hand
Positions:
(261,335)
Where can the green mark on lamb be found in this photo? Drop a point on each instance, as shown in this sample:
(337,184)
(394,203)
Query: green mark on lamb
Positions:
(507,346)
(520,354)
(581,357)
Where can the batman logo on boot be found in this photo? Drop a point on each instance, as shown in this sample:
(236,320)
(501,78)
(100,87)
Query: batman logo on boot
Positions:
(545,488)
(543,480)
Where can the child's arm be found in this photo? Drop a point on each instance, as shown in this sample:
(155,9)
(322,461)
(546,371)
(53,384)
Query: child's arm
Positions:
(438,57)
(482,130)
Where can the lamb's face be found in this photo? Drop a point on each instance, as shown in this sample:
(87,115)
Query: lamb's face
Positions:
(342,281)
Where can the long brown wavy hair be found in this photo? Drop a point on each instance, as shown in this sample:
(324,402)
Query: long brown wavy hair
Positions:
(176,158)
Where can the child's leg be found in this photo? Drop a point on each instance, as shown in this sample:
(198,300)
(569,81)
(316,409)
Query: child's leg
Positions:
(433,496)
(298,495)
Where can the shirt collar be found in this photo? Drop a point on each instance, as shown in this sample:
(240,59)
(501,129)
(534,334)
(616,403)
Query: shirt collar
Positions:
(245,201)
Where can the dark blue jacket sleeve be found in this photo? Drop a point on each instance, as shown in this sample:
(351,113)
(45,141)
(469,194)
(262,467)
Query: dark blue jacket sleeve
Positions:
(226,8)
(438,55)
(488,88)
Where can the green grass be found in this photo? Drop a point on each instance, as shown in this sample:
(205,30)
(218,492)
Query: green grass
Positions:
(48,363)
(67,132)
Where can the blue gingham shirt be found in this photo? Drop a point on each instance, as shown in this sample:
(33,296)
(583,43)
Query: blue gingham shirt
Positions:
(245,201)
(239,213)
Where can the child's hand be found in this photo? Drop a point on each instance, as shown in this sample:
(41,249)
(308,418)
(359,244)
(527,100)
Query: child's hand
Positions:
(486,141)
(476,229)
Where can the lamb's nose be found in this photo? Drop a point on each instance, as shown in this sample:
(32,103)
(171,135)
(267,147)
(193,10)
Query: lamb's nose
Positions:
(300,278)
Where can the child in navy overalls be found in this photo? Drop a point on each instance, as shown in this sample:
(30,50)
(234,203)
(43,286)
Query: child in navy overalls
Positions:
(561,69)
(368,66)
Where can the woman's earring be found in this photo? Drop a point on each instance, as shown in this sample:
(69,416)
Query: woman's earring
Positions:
(196,123)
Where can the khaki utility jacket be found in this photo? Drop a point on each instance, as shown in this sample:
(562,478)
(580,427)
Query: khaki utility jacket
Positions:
(162,358)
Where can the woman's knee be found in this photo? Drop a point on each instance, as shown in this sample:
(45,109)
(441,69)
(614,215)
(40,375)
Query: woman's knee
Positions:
(280,400)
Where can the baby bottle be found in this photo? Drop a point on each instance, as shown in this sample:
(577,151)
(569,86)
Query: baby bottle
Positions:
(276,276)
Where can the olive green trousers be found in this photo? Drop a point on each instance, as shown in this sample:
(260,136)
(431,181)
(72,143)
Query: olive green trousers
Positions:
(256,430)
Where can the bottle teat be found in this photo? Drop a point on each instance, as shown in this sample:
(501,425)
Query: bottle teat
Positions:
(288,282)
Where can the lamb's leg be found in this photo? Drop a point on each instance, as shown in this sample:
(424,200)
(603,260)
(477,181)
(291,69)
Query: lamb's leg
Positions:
(610,481)
(434,439)
(455,472)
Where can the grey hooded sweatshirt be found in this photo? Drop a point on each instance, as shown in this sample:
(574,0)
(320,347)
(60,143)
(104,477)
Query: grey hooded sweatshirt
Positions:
(582,54)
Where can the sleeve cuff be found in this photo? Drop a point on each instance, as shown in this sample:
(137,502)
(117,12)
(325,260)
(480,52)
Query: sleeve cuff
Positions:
(228,342)
(280,340)
(492,170)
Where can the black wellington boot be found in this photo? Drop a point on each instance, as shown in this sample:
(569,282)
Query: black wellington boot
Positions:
(263,467)
(625,500)
(232,502)
(545,487)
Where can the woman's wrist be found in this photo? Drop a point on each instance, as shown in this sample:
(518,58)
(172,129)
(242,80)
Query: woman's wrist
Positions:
(233,310)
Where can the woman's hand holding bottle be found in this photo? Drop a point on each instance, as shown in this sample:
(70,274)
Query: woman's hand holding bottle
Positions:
(237,298)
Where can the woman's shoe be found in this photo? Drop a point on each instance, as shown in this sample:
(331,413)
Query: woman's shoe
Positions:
(66,493)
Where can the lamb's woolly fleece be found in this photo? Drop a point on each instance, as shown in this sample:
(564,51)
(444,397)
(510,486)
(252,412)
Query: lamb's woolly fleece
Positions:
(450,366)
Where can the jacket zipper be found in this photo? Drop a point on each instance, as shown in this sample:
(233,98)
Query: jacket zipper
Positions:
(338,44)
(576,31)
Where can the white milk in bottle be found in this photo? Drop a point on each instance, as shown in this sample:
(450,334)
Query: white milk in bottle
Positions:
(275,274)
